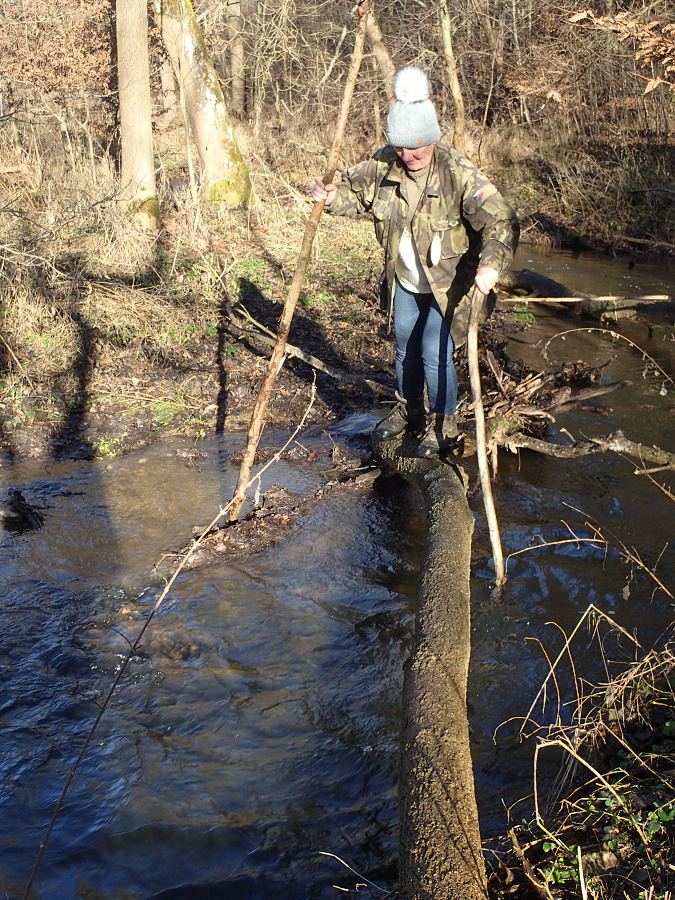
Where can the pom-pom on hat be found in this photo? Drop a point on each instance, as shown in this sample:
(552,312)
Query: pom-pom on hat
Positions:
(412,121)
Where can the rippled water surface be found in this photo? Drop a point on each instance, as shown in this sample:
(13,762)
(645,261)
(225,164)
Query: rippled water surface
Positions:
(258,725)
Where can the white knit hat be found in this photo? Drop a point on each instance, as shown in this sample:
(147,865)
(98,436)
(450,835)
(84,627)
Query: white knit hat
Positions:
(412,121)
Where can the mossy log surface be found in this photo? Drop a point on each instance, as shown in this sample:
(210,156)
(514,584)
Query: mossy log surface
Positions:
(440,855)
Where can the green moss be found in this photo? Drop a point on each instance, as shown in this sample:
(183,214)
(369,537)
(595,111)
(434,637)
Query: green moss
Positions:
(145,213)
(236,189)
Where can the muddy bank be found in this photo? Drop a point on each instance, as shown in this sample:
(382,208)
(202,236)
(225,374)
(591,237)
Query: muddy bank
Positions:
(205,386)
(208,386)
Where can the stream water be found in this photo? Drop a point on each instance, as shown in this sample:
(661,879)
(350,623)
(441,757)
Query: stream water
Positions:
(257,728)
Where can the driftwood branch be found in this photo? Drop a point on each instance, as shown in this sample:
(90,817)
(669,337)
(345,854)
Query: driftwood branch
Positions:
(263,334)
(279,350)
(616,442)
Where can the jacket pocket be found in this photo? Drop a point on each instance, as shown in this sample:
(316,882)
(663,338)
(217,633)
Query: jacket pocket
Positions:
(452,237)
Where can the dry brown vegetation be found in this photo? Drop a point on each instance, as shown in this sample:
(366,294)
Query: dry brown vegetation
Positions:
(605,829)
(109,334)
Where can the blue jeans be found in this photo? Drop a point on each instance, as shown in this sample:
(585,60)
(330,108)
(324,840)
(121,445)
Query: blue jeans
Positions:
(424,351)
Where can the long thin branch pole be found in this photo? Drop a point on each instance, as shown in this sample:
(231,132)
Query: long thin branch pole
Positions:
(481,443)
(278,353)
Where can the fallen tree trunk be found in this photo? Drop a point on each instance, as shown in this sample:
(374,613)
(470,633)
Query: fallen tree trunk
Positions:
(533,282)
(440,854)
(658,309)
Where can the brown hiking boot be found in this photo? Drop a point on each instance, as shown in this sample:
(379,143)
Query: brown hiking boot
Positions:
(407,415)
(442,436)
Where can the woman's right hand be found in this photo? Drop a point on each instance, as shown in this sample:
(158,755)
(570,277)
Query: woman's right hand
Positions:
(322,191)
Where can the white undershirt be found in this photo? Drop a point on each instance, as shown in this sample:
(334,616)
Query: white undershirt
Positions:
(409,269)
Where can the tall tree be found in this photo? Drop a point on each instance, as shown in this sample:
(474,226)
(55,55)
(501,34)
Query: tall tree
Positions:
(224,174)
(381,53)
(453,77)
(237,56)
(138,189)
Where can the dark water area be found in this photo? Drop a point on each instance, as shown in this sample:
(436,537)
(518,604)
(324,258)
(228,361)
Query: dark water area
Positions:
(257,727)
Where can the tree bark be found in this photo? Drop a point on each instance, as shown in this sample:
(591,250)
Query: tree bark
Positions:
(138,190)
(440,854)
(381,53)
(224,174)
(453,78)
(166,118)
(237,57)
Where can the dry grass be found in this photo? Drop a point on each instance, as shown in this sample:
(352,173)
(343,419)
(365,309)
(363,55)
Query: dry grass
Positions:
(85,296)
(605,829)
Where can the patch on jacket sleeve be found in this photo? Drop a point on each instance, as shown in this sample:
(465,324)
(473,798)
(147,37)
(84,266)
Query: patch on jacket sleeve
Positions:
(479,196)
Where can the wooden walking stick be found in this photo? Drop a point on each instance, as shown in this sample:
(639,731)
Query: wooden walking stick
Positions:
(278,352)
(481,443)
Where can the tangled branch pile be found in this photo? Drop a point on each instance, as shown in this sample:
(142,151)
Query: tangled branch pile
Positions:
(520,402)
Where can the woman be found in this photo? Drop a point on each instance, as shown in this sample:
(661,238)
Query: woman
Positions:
(444,228)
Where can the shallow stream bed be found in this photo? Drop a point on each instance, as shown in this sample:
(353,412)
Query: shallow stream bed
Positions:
(257,727)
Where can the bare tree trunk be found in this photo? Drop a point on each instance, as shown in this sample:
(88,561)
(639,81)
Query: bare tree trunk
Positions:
(169,100)
(453,78)
(440,852)
(237,58)
(138,189)
(382,55)
(224,174)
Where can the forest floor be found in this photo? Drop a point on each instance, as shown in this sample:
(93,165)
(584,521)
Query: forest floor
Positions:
(98,362)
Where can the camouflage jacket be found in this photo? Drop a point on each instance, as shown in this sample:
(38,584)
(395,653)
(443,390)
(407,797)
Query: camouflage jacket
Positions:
(460,213)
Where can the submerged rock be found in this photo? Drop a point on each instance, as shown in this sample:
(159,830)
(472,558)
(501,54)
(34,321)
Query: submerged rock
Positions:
(16,513)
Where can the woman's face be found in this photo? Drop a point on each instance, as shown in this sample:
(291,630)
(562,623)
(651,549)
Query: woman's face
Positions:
(415,160)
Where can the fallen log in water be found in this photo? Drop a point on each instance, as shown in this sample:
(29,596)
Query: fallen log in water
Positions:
(440,855)
(651,310)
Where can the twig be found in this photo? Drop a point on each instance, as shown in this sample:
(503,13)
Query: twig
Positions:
(631,555)
(568,748)
(544,544)
(602,299)
(540,889)
(589,610)
(358,875)
(614,334)
(582,880)
(14,357)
